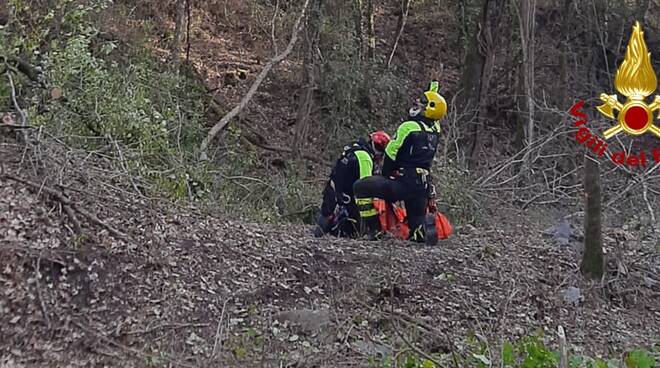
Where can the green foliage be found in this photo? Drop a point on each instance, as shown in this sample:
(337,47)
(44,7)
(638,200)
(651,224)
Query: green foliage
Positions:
(249,343)
(508,354)
(149,115)
(246,188)
(406,361)
(527,352)
(535,354)
(640,359)
(154,111)
(531,352)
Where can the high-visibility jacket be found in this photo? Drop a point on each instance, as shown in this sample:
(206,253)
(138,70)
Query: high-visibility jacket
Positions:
(414,145)
(355,162)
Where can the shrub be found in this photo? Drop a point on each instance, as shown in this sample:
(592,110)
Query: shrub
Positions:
(454,194)
(527,352)
(151,113)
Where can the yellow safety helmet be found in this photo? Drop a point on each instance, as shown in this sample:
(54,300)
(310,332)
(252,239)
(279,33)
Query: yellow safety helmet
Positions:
(435,106)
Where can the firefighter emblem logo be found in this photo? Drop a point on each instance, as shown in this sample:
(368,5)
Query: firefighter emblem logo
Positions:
(636,80)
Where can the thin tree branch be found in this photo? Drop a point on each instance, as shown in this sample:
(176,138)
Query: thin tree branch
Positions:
(262,75)
(272,26)
(66,202)
(18,107)
(256,142)
(404,18)
(218,332)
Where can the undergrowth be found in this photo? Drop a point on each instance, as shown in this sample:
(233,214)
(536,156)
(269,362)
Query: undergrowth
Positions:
(117,101)
(245,185)
(109,100)
(527,352)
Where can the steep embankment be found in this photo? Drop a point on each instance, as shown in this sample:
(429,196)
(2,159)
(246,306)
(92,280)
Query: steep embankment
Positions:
(196,290)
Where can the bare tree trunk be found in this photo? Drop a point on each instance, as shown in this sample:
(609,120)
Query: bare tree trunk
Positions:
(358,28)
(371,31)
(563,61)
(188,30)
(527,14)
(401,23)
(178,31)
(472,67)
(309,78)
(4,13)
(477,73)
(491,22)
(519,141)
(592,258)
(652,23)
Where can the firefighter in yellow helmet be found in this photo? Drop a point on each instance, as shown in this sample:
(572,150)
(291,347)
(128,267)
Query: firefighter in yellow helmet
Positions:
(406,168)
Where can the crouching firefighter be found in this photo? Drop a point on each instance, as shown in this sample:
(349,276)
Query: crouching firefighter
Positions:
(406,173)
(339,214)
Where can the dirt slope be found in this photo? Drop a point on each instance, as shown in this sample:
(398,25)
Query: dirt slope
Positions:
(191,289)
(187,284)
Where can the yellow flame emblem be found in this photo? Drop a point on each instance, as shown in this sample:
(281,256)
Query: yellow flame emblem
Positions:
(636,80)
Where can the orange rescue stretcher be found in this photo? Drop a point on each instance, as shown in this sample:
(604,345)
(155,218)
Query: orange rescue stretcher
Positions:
(393,219)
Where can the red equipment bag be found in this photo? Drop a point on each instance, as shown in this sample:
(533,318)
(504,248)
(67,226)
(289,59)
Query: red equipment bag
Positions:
(443,226)
(393,220)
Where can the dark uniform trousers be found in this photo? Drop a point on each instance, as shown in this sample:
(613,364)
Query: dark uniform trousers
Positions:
(412,187)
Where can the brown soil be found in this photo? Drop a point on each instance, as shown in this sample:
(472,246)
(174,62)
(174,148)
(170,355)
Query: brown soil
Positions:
(161,296)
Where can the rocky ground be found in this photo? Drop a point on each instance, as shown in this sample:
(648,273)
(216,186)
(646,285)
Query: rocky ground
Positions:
(133,282)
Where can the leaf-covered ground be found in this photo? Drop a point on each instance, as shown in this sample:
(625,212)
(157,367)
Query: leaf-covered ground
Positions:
(190,289)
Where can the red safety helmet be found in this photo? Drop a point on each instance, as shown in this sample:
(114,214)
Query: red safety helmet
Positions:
(379,140)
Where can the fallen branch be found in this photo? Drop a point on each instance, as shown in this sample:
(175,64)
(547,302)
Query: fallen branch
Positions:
(74,219)
(640,179)
(260,78)
(258,138)
(42,304)
(256,142)
(127,349)
(426,326)
(171,326)
(237,65)
(65,202)
(218,331)
(24,67)
(563,350)
(648,204)
(415,348)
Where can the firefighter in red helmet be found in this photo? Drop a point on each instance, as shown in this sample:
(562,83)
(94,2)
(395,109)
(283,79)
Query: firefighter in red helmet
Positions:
(339,215)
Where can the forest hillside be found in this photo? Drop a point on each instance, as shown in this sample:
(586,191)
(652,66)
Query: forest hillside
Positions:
(162,164)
